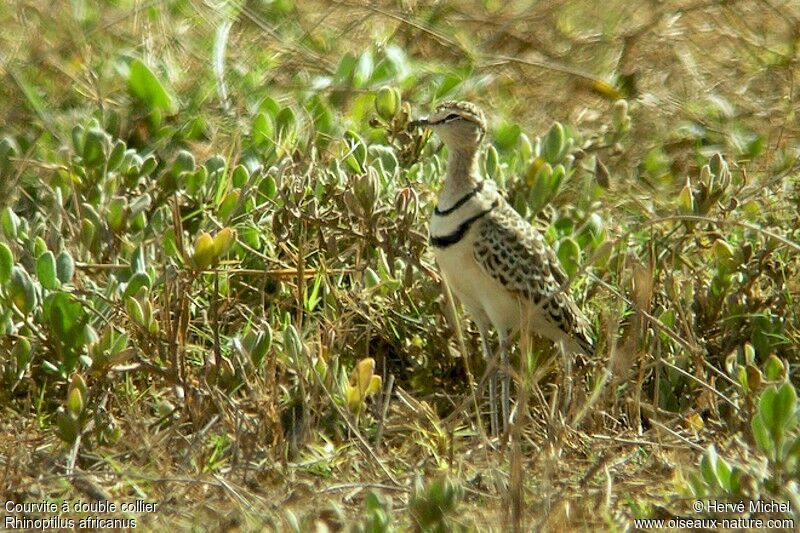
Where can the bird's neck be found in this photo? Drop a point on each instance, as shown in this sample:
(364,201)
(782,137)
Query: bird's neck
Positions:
(462,176)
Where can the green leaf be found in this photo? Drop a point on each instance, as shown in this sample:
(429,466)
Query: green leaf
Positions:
(723,474)
(735,481)
(708,465)
(507,135)
(66,317)
(387,102)
(184,162)
(87,233)
(140,204)
(752,210)
(686,203)
(774,368)
(251,237)
(117,155)
(749,354)
(285,121)
(717,164)
(22,353)
(261,128)
(9,222)
(731,362)
(269,106)
(345,69)
(148,165)
(196,181)
(762,435)
(741,376)
(77,382)
(525,148)
(259,345)
(227,206)
(776,407)
(117,213)
(292,344)
(46,271)
(371,278)
(75,402)
(449,83)
(385,158)
(147,88)
(352,163)
(139,221)
(766,406)
(362,108)
(373,502)
(39,246)
(6,262)
(136,282)
(49,367)
(224,241)
(94,147)
(118,342)
(134,309)
(755,146)
(268,187)
(554,144)
(21,290)
(785,406)
(565,226)
(569,254)
(204,251)
(556,178)
(67,426)
(137,261)
(492,163)
(357,149)
(540,190)
(65,267)
(363,69)
(89,335)
(78,133)
(240,176)
(697,485)
(592,233)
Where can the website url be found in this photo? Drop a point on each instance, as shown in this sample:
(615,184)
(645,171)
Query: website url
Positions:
(714,523)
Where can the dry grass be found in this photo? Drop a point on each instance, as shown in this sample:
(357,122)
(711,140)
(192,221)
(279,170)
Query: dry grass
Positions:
(221,443)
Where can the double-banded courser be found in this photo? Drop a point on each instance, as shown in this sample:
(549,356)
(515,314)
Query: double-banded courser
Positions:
(497,265)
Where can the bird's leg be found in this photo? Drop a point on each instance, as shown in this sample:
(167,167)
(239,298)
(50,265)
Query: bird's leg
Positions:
(567,357)
(487,354)
(506,384)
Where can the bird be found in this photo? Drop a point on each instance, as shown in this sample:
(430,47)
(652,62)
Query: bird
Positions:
(498,266)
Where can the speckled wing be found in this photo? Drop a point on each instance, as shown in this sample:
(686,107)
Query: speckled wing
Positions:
(512,252)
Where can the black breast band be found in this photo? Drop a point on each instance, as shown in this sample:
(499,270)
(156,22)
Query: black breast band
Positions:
(461,230)
(464,199)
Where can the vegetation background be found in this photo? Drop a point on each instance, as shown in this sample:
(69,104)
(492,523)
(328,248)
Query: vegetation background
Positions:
(216,294)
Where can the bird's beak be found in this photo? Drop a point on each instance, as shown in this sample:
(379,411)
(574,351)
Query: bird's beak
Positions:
(420,123)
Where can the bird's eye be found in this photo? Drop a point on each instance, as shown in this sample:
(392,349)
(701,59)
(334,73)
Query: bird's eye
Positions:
(451,117)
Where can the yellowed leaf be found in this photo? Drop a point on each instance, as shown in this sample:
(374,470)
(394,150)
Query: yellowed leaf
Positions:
(374,385)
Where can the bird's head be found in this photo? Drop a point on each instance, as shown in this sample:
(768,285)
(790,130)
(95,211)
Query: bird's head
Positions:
(460,125)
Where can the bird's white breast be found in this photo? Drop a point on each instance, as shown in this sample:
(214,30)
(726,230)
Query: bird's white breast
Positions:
(485,299)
